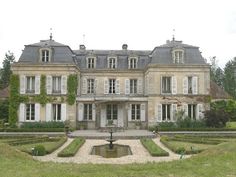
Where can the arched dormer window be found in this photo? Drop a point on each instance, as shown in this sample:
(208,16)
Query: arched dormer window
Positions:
(178,56)
(45,55)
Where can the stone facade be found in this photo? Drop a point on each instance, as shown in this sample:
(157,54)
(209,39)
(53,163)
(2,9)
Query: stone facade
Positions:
(126,88)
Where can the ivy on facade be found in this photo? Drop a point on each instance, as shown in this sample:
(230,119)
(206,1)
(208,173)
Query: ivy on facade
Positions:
(72,83)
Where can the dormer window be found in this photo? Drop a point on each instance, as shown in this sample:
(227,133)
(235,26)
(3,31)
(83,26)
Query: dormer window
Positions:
(178,56)
(112,62)
(91,62)
(133,62)
(45,55)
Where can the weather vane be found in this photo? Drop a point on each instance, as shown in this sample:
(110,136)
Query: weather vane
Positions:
(173,37)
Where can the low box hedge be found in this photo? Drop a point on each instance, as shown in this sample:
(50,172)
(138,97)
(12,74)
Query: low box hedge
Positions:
(32,130)
(153,148)
(72,148)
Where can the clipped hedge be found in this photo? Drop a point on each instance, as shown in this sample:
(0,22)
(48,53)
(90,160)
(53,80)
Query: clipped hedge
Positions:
(16,142)
(153,148)
(50,124)
(32,130)
(72,148)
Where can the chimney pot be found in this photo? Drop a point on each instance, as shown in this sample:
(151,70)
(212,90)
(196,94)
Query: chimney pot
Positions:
(82,47)
(124,46)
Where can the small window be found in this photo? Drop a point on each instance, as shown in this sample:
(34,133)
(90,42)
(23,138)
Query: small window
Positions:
(166,112)
(56,84)
(45,55)
(91,62)
(135,111)
(90,84)
(112,86)
(88,112)
(133,86)
(133,63)
(111,63)
(166,84)
(30,112)
(112,112)
(56,112)
(192,108)
(30,84)
(178,56)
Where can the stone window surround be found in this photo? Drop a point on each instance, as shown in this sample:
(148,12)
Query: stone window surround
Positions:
(129,62)
(94,62)
(177,60)
(114,64)
(41,54)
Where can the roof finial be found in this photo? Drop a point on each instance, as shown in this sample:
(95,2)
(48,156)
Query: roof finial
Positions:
(173,37)
(50,33)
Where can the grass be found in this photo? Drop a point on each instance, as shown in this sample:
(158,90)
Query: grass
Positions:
(153,148)
(231,124)
(72,148)
(218,161)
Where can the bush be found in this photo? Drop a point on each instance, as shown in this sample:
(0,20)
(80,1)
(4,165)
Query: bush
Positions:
(167,125)
(51,124)
(190,123)
(72,148)
(4,107)
(39,150)
(216,118)
(153,148)
(180,150)
(31,129)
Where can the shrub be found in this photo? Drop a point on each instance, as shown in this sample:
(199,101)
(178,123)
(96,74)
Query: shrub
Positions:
(51,124)
(72,148)
(39,150)
(4,107)
(153,148)
(180,150)
(216,118)
(187,122)
(167,125)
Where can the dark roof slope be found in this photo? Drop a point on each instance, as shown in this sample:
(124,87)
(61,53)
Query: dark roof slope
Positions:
(217,92)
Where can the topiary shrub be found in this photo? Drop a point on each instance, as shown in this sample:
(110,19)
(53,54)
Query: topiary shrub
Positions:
(39,150)
(180,150)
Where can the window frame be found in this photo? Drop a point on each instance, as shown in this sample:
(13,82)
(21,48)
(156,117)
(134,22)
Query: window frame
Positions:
(30,81)
(178,56)
(136,112)
(91,62)
(88,112)
(166,112)
(112,62)
(57,108)
(192,111)
(164,84)
(133,62)
(45,55)
(90,86)
(31,116)
(58,80)
(133,86)
(112,86)
(112,112)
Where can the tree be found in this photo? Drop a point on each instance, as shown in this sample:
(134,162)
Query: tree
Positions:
(229,78)
(216,118)
(216,73)
(6,70)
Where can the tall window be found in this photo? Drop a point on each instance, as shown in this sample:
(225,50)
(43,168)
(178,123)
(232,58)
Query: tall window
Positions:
(30,84)
(178,56)
(112,86)
(190,84)
(30,111)
(133,63)
(133,86)
(166,112)
(192,108)
(56,108)
(112,63)
(90,83)
(90,63)
(45,55)
(112,112)
(135,111)
(88,112)
(166,84)
(56,84)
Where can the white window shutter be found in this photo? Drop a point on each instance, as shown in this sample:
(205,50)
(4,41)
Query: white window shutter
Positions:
(37,84)
(48,112)
(174,111)
(129,112)
(49,84)
(80,111)
(93,112)
(143,112)
(117,86)
(140,86)
(159,112)
(116,64)
(22,112)
(185,109)
(37,112)
(22,84)
(105,86)
(95,86)
(195,85)
(63,112)
(174,85)
(64,84)
(185,85)
(129,63)
(103,117)
(127,86)
(84,86)
(200,110)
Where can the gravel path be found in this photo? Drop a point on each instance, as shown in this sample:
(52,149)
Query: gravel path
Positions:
(139,154)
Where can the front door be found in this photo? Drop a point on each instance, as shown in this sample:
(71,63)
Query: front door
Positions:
(112,114)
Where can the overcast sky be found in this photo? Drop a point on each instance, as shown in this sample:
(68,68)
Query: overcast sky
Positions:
(107,24)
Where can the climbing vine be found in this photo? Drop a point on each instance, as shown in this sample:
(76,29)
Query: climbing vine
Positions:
(42,97)
(72,83)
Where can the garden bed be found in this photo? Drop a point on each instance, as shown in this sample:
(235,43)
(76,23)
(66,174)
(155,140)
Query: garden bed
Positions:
(72,148)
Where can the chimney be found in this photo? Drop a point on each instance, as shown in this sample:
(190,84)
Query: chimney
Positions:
(82,47)
(124,46)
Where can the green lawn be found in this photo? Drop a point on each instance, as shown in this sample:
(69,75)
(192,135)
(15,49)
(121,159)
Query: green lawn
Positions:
(218,161)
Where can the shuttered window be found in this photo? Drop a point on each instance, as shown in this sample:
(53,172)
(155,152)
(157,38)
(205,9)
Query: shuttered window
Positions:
(135,111)
(56,84)
(112,86)
(133,86)
(192,110)
(30,84)
(30,112)
(90,85)
(56,112)
(166,108)
(88,113)
(166,84)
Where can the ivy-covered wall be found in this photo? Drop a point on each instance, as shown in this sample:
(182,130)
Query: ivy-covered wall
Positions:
(72,84)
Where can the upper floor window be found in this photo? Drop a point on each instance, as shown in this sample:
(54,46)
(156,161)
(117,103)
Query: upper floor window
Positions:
(190,83)
(56,84)
(178,56)
(91,62)
(30,112)
(133,63)
(133,86)
(30,84)
(112,86)
(45,55)
(90,85)
(112,62)
(166,84)
(88,113)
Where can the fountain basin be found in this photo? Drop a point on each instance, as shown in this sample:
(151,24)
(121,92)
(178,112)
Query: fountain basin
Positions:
(115,152)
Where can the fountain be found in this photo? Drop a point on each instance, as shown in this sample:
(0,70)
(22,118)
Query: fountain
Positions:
(111,150)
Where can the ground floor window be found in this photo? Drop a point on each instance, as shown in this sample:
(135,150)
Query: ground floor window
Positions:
(135,111)
(30,111)
(88,112)
(56,113)
(192,108)
(166,112)
(112,112)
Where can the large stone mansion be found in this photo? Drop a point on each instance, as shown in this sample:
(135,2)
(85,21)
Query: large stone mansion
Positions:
(124,87)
